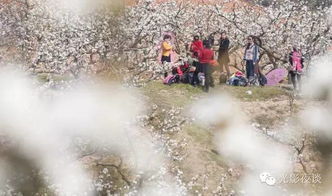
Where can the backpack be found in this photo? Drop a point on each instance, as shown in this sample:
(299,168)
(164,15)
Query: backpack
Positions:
(190,77)
(242,81)
(171,79)
(201,78)
(238,81)
(262,80)
(185,78)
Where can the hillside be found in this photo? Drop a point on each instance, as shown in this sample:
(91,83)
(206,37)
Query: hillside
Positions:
(83,110)
(193,151)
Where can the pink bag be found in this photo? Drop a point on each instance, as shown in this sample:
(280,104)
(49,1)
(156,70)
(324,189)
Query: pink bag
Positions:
(169,80)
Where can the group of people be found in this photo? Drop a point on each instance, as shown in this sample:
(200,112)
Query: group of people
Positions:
(199,71)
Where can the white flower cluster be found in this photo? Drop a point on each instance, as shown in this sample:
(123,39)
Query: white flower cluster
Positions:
(278,28)
(59,41)
(52,130)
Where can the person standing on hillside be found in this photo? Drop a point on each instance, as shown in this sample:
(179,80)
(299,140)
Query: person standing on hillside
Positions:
(223,56)
(296,62)
(212,38)
(166,49)
(196,46)
(251,57)
(205,57)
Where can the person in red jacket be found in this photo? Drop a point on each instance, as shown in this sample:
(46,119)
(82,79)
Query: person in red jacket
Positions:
(205,57)
(196,46)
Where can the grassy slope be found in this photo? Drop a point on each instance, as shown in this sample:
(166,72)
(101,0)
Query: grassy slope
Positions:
(178,94)
(201,156)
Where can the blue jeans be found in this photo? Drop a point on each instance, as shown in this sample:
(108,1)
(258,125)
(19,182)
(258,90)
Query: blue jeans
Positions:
(250,69)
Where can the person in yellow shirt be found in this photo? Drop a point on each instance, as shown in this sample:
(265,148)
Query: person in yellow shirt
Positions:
(166,49)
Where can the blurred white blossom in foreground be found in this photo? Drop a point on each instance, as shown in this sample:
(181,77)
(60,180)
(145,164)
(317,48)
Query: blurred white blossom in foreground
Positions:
(237,141)
(317,119)
(83,6)
(43,125)
(319,86)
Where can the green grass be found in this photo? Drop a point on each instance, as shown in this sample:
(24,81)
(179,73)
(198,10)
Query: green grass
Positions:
(174,95)
(158,85)
(199,134)
(180,94)
(258,93)
(45,77)
(216,158)
(204,137)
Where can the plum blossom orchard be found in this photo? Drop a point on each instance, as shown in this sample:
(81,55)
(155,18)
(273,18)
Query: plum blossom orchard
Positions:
(277,27)
(57,41)
(53,37)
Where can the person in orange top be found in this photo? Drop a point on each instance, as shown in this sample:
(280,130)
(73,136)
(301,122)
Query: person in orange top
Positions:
(166,49)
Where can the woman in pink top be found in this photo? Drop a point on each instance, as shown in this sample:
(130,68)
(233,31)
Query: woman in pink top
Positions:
(296,62)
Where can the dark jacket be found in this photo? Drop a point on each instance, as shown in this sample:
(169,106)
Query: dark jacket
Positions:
(223,50)
(211,40)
